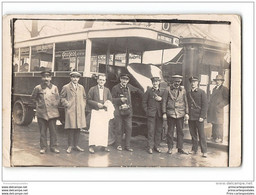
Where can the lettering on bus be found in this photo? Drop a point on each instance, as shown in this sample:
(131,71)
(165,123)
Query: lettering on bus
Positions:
(174,41)
(69,54)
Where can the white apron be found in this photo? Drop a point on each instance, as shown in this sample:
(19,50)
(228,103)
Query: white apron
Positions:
(98,132)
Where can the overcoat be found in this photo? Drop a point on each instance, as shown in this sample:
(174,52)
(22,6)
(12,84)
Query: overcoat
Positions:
(74,101)
(150,105)
(172,106)
(218,100)
(94,97)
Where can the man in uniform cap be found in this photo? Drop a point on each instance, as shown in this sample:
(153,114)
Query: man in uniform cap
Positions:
(197,103)
(73,98)
(152,104)
(121,94)
(218,100)
(46,96)
(175,108)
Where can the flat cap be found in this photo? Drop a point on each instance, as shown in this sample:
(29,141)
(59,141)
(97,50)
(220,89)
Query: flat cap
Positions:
(46,72)
(193,78)
(155,79)
(177,77)
(125,76)
(75,73)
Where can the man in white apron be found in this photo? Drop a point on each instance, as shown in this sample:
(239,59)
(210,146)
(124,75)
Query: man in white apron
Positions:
(102,110)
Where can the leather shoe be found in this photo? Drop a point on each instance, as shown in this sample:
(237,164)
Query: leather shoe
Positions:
(170,151)
(69,149)
(158,150)
(119,148)
(129,149)
(150,151)
(204,155)
(55,150)
(182,151)
(91,150)
(42,151)
(192,152)
(106,149)
(77,148)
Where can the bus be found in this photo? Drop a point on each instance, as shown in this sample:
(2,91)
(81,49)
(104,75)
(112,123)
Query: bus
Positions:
(92,51)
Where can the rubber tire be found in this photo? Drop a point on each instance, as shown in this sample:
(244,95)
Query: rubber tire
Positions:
(27,113)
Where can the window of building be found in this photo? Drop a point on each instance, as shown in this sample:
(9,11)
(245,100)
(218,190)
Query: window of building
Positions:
(24,59)
(16,60)
(41,57)
(70,56)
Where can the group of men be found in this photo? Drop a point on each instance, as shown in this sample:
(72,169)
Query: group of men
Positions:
(172,104)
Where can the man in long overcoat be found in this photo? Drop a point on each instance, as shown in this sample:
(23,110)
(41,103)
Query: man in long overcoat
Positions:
(73,98)
(175,108)
(152,104)
(218,100)
(97,96)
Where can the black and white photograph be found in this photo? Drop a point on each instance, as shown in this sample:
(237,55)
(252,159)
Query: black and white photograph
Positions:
(122,92)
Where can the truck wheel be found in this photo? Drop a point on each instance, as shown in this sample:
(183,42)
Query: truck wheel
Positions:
(22,114)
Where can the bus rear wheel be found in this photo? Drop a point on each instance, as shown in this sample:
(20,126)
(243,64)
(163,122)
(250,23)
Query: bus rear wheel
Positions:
(22,114)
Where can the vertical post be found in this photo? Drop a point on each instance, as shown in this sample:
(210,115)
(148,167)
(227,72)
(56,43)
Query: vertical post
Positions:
(141,55)
(30,60)
(127,57)
(88,53)
(162,56)
(19,61)
(107,58)
(53,57)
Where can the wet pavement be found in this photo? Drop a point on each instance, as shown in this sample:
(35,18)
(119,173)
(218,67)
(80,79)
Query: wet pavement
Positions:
(25,152)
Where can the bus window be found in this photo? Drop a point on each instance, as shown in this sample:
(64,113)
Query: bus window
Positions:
(41,57)
(70,56)
(16,60)
(120,59)
(24,59)
(134,58)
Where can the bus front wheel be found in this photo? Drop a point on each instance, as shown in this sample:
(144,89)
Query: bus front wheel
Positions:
(22,114)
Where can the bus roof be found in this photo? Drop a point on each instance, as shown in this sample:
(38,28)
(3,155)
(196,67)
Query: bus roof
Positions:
(136,38)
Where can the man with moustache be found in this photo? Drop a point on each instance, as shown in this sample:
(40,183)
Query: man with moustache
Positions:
(197,103)
(152,104)
(99,97)
(175,108)
(73,98)
(121,94)
(46,96)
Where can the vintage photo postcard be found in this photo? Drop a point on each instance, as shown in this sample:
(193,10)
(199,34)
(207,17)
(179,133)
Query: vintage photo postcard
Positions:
(122,91)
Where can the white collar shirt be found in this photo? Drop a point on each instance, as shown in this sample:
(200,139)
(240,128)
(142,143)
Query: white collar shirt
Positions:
(101,92)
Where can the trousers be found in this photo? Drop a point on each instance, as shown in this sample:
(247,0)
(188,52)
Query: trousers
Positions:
(155,127)
(126,123)
(196,129)
(217,131)
(43,125)
(172,122)
(73,137)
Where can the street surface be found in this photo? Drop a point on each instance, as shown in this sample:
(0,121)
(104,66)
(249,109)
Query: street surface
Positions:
(25,152)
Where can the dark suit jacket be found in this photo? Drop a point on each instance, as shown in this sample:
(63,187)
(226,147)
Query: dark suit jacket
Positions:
(150,105)
(94,97)
(218,100)
(117,93)
(198,106)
